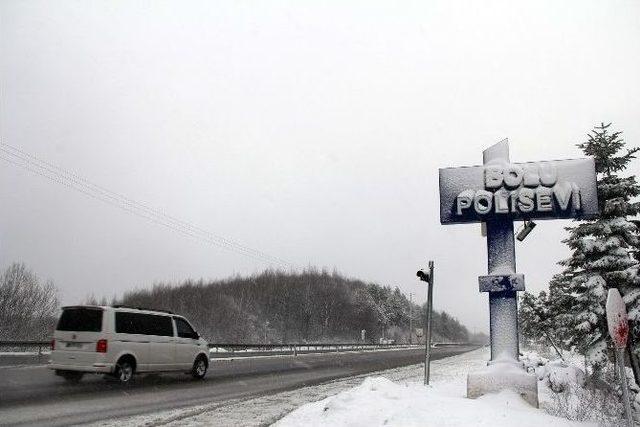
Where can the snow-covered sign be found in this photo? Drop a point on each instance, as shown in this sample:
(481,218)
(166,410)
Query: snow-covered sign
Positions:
(537,190)
(498,193)
(617,319)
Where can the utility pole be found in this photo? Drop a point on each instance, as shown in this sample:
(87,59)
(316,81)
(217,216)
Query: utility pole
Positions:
(428,278)
(410,318)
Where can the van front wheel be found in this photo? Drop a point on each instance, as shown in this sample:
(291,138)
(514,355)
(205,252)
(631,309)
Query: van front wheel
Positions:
(199,368)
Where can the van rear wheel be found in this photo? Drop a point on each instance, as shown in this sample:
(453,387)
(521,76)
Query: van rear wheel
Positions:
(124,371)
(200,366)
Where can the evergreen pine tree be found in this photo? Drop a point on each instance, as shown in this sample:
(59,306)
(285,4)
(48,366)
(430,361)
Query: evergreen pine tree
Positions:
(602,251)
(559,305)
(538,321)
(532,316)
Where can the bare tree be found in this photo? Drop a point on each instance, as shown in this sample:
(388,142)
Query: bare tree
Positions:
(27,306)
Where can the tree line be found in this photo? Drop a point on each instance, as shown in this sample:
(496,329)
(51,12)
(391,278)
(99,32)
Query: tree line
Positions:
(273,307)
(307,306)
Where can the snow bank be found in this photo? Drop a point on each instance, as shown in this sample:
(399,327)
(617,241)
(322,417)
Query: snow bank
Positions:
(560,375)
(533,360)
(381,402)
(563,390)
(500,375)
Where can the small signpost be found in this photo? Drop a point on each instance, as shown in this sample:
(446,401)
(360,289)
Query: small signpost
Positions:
(498,193)
(427,276)
(618,324)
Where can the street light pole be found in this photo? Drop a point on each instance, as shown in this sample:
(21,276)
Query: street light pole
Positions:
(410,318)
(427,363)
(428,277)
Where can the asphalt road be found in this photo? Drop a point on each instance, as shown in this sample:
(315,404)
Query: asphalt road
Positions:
(33,395)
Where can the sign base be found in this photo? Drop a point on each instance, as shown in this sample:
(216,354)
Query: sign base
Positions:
(503,375)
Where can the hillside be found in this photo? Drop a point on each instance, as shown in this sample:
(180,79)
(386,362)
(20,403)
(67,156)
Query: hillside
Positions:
(311,306)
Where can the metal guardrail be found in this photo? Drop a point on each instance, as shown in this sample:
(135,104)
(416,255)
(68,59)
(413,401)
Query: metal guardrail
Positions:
(25,346)
(220,350)
(30,352)
(235,349)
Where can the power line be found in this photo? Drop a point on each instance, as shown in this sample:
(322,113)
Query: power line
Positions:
(76,179)
(141,210)
(76,182)
(138,213)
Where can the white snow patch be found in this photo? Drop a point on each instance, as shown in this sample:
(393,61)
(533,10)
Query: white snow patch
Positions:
(381,402)
(560,375)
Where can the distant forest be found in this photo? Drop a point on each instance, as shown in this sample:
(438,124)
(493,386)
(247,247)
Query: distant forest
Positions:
(280,307)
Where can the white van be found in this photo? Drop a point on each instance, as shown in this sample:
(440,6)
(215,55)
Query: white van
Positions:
(122,341)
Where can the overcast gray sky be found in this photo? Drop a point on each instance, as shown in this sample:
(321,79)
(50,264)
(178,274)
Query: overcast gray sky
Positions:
(312,131)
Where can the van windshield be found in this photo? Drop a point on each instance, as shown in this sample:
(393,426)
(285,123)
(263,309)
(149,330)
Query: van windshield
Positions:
(81,319)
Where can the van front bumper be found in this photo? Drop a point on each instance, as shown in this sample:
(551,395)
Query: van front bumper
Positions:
(96,368)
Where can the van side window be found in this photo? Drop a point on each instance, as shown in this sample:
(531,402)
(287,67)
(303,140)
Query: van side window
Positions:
(143,324)
(184,329)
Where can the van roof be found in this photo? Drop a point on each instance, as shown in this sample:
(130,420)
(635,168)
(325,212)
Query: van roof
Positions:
(127,307)
(142,308)
(83,306)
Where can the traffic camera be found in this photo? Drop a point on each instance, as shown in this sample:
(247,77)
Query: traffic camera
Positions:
(423,275)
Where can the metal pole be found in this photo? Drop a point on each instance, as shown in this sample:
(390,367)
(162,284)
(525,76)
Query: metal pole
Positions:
(553,344)
(410,317)
(625,386)
(427,342)
(266,329)
(633,359)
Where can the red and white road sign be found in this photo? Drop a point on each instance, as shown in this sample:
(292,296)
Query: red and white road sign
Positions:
(617,319)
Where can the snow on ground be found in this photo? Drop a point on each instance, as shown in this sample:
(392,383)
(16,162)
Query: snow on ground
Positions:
(378,401)
(563,389)
(381,402)
(394,397)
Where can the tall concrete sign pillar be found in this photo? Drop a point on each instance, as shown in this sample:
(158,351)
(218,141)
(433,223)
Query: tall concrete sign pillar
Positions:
(497,193)
(501,260)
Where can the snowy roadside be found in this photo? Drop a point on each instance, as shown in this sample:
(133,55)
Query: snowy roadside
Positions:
(564,389)
(379,401)
(265,410)
(566,399)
